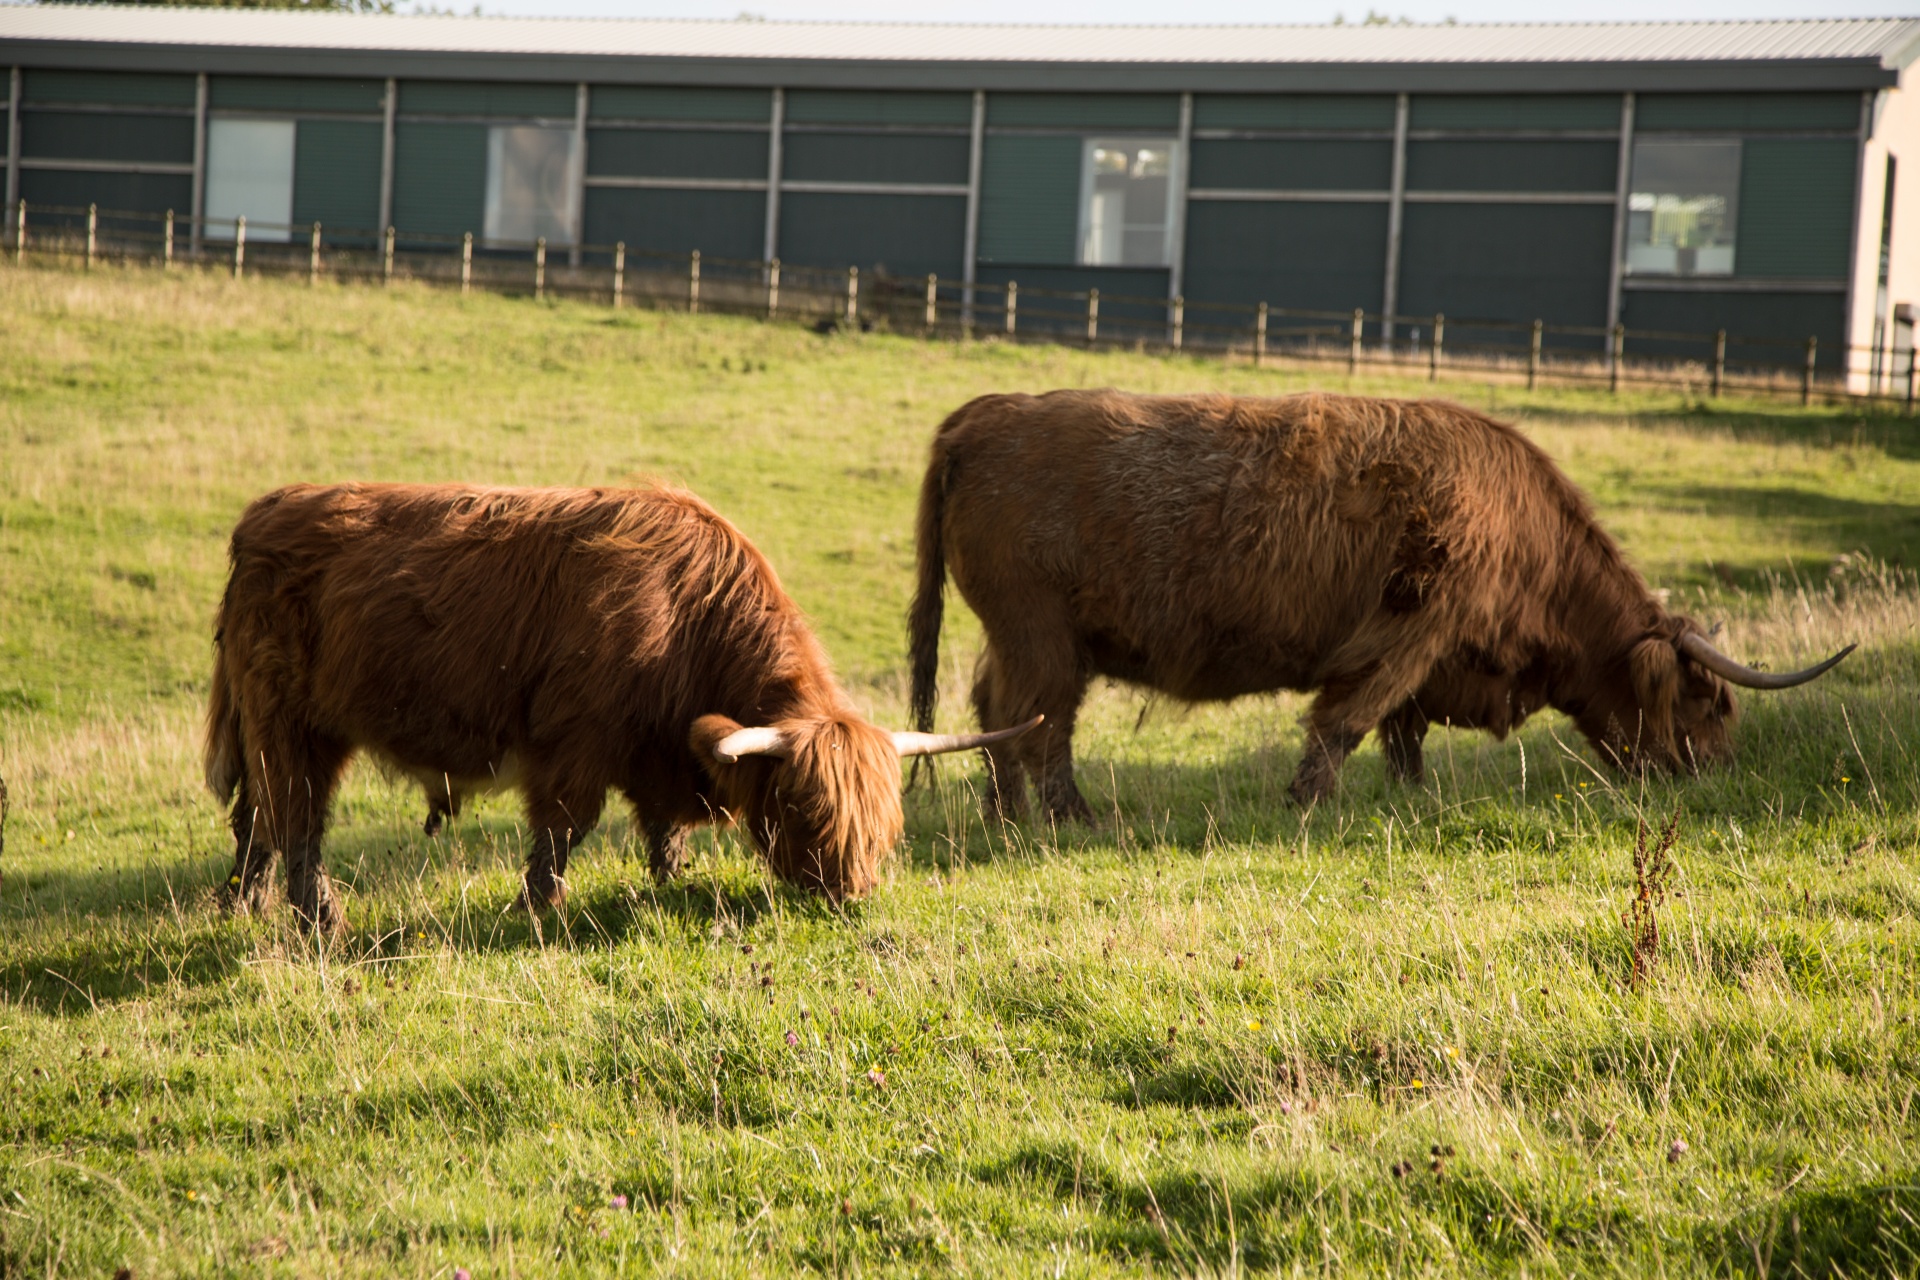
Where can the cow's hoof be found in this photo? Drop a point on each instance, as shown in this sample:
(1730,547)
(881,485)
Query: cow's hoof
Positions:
(432,825)
(533,900)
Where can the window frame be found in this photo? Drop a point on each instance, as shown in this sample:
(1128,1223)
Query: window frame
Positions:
(1732,243)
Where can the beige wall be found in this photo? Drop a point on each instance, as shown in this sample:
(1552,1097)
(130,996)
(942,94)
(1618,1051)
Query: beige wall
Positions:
(1896,132)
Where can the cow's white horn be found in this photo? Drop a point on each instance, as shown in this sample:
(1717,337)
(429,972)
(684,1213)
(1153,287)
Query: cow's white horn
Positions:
(1697,647)
(933,744)
(760,741)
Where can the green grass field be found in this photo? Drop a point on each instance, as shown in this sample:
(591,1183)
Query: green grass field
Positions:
(1209,1035)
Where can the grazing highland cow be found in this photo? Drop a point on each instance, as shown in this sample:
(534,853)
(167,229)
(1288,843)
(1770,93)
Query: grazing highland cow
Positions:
(1412,561)
(562,641)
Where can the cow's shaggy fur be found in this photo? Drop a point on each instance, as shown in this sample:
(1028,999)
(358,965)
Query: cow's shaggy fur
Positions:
(562,641)
(1412,561)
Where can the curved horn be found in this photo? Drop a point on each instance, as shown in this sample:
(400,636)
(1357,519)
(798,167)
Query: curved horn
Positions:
(762,741)
(1696,646)
(933,744)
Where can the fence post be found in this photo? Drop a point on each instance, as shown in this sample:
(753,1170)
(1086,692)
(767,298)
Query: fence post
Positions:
(313,257)
(1013,305)
(1433,351)
(1353,343)
(1093,316)
(773,288)
(1910,381)
(1179,321)
(1260,336)
(466,263)
(166,257)
(1533,354)
(1806,373)
(93,225)
(853,297)
(540,267)
(1616,356)
(933,300)
(239,246)
(619,273)
(20,236)
(1719,361)
(693,283)
(386,258)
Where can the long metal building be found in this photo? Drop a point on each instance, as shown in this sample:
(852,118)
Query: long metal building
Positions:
(1757,177)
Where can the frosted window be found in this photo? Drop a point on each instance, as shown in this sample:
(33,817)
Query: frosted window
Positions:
(249,175)
(530,184)
(1682,208)
(1126,202)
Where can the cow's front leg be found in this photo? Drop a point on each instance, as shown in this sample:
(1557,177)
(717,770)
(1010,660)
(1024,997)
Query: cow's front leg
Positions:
(1401,735)
(1342,713)
(558,821)
(666,847)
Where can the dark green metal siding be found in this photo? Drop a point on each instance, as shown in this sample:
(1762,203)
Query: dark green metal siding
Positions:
(1514,111)
(1507,262)
(1473,164)
(1300,164)
(1085,110)
(903,235)
(295,94)
(1030,200)
(439,178)
(483,98)
(1308,256)
(874,157)
(80,135)
(852,106)
(1796,207)
(671,153)
(1737,112)
(655,102)
(131,192)
(1292,111)
(106,87)
(721,224)
(1788,318)
(336,175)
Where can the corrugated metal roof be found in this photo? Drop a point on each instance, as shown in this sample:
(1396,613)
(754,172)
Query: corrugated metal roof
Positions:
(1889,42)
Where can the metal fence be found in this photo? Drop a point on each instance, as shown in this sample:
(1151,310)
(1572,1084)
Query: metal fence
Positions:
(1710,364)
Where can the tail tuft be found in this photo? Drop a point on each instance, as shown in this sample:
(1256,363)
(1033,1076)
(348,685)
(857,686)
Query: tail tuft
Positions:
(225,754)
(929,598)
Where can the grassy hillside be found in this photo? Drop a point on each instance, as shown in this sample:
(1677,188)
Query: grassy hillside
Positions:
(1211,1033)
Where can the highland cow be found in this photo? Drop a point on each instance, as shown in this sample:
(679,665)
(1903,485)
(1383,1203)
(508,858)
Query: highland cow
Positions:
(1411,561)
(561,641)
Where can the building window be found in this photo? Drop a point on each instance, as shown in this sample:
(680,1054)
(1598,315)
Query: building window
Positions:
(1126,202)
(249,175)
(1682,207)
(530,186)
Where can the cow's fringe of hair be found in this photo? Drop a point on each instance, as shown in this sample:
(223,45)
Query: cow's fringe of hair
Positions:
(842,782)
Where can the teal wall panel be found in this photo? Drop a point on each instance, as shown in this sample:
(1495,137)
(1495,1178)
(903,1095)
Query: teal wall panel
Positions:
(853,106)
(295,94)
(676,153)
(1310,256)
(439,178)
(1796,207)
(1474,164)
(152,193)
(1514,111)
(1785,318)
(1507,262)
(485,98)
(874,157)
(1292,111)
(1030,200)
(136,88)
(1302,164)
(895,235)
(662,102)
(721,224)
(1737,112)
(1085,110)
(336,176)
(91,135)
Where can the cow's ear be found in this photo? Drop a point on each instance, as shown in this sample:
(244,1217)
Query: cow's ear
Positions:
(1654,666)
(707,733)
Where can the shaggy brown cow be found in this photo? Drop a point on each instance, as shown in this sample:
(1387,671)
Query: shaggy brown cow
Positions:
(1413,561)
(563,641)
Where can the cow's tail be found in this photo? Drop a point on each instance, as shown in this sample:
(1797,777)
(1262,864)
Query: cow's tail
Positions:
(226,749)
(929,598)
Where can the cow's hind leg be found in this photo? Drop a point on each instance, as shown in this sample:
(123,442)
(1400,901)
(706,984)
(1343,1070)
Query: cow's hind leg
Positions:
(1401,734)
(1006,798)
(559,819)
(292,777)
(246,890)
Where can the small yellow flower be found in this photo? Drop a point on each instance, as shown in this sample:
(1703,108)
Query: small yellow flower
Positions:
(193,1195)
(1845,778)
(1583,786)
(631,1132)
(1558,796)
(1253,1024)
(1418,1083)
(1452,1052)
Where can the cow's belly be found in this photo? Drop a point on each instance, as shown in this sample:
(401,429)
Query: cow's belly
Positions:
(1227,667)
(466,780)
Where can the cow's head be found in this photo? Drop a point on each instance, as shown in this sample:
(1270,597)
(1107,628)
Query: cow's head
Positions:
(820,796)
(1671,706)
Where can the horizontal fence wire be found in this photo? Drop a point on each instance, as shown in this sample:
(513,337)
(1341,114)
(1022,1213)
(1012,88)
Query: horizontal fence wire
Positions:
(1438,346)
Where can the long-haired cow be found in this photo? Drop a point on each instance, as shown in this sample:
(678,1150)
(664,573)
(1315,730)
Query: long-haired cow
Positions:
(562,641)
(1412,561)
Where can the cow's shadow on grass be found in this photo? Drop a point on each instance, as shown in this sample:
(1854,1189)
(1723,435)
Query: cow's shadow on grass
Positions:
(1744,422)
